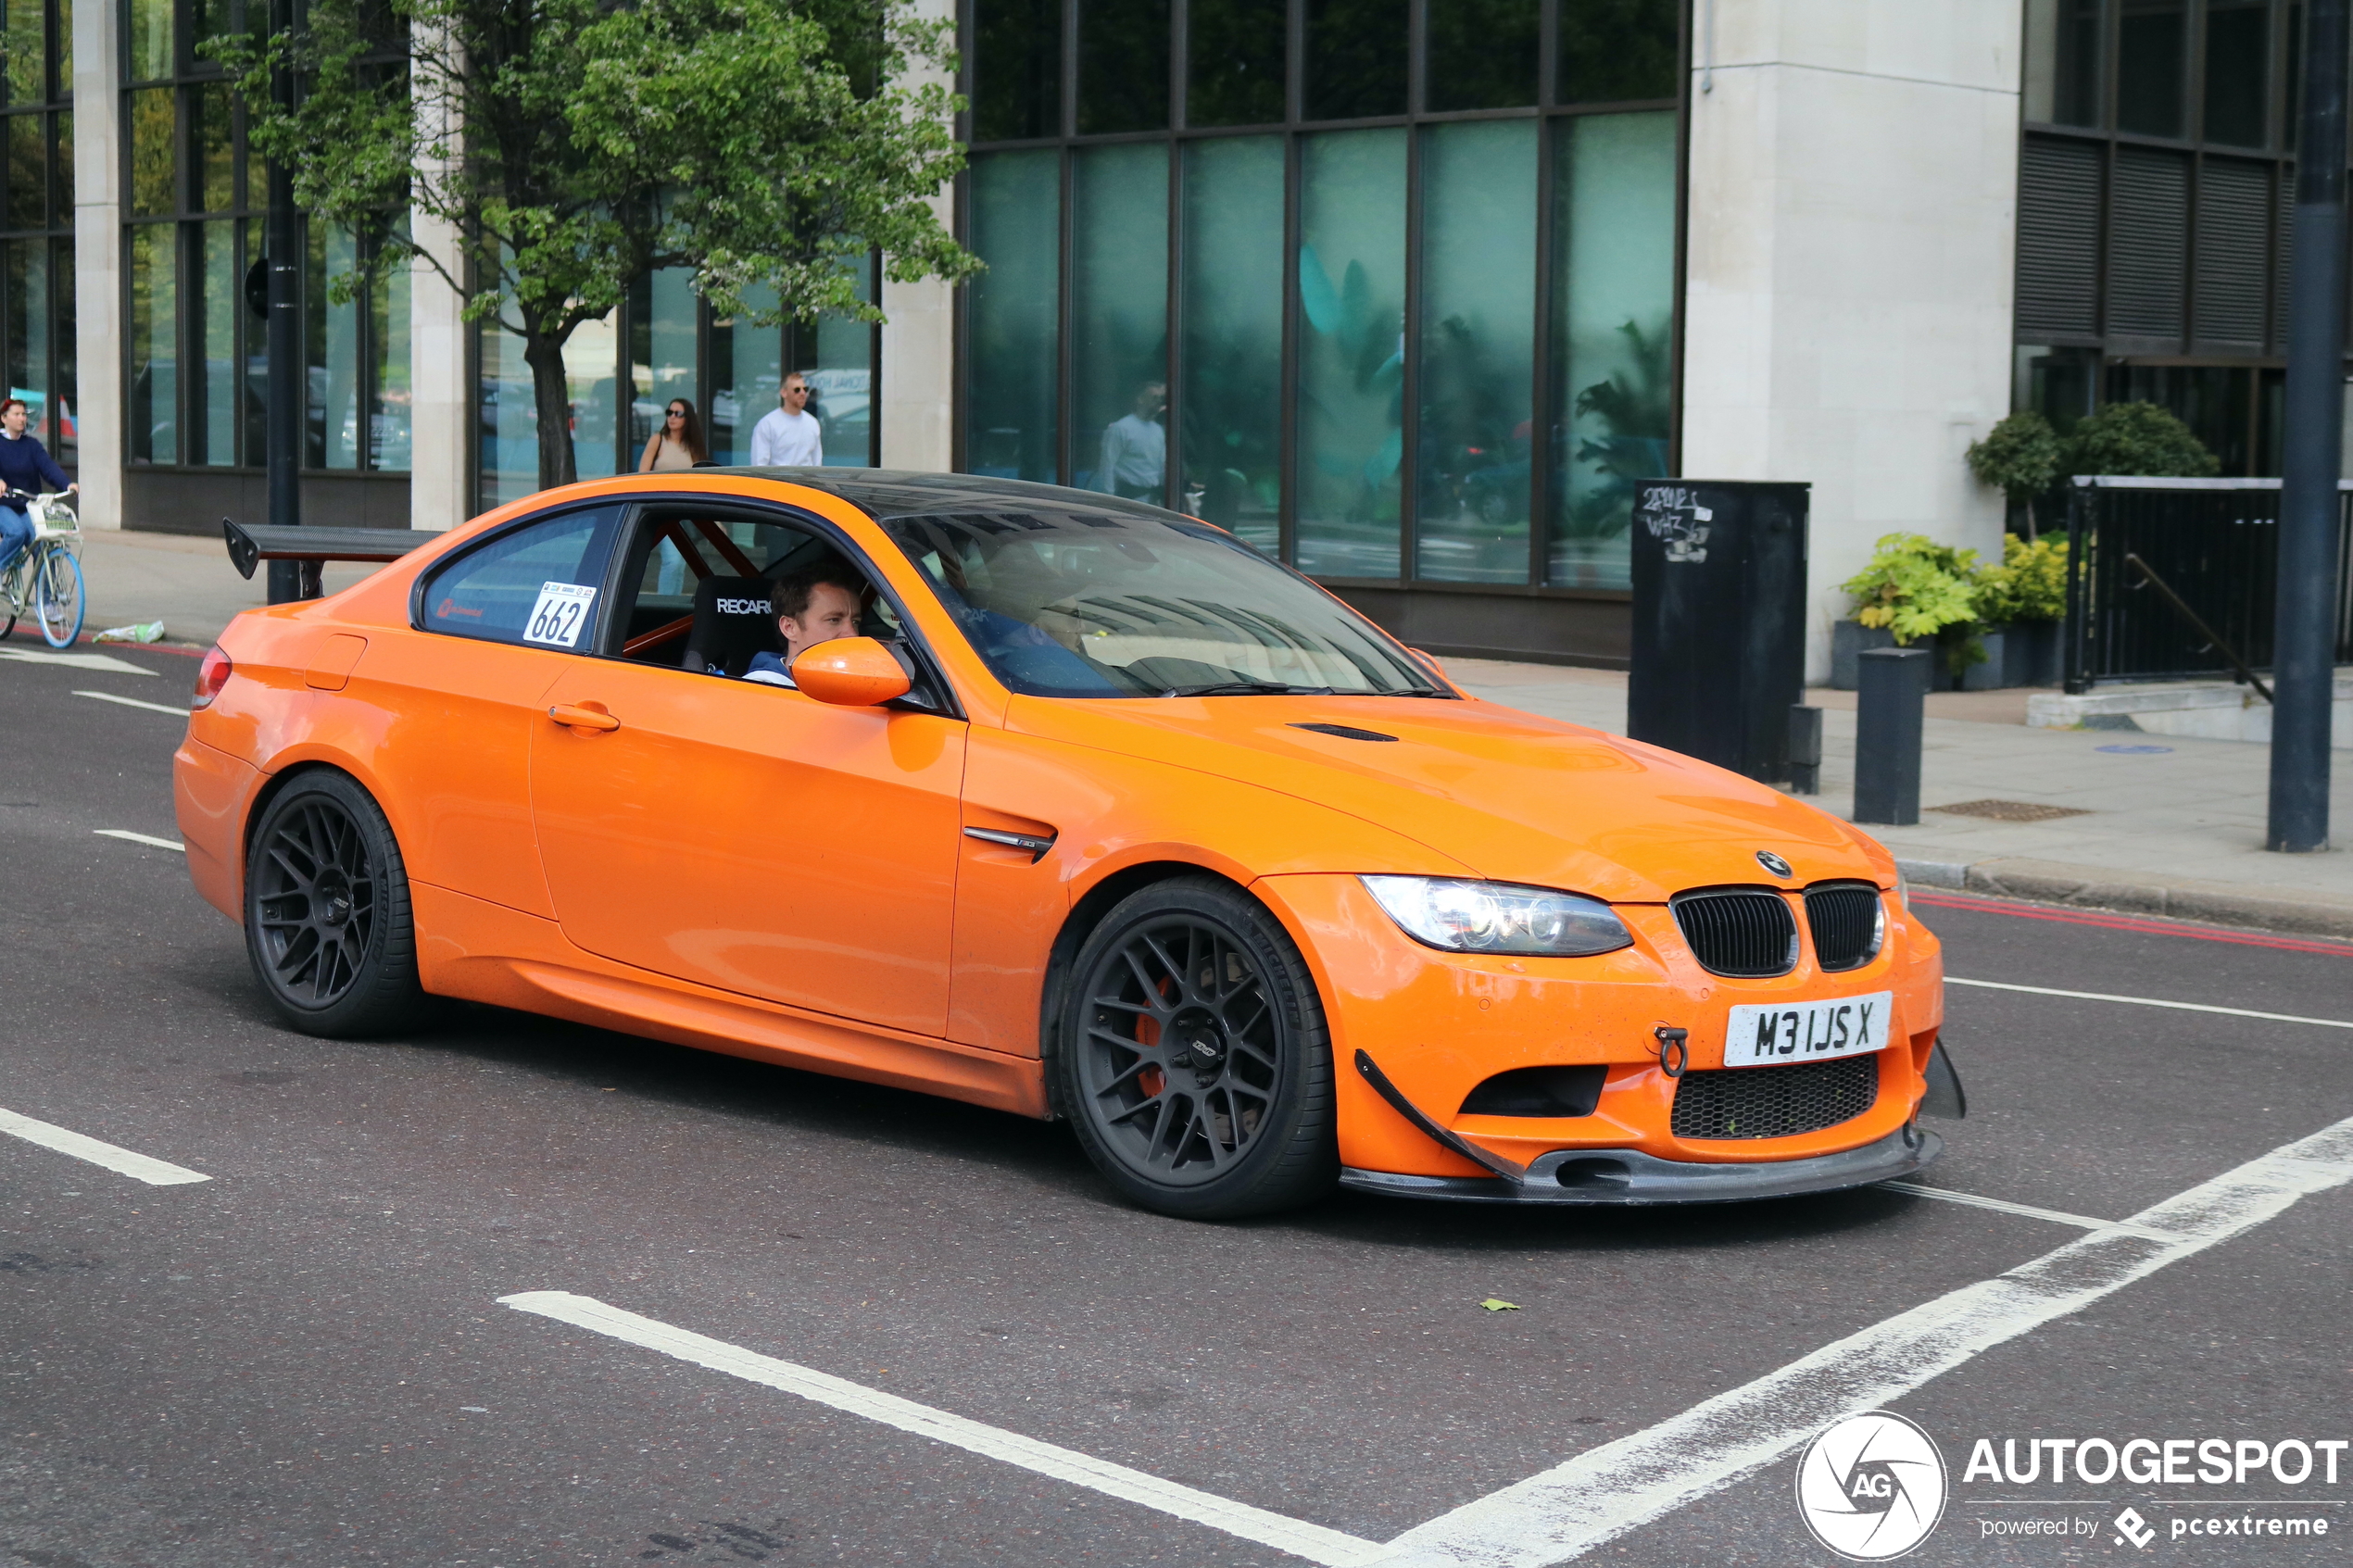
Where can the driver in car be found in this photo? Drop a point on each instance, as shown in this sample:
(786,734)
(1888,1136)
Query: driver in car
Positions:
(816,603)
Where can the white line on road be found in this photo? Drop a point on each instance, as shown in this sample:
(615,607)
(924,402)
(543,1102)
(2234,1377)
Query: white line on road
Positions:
(122,1161)
(2003,1205)
(1602,1493)
(1296,1537)
(181,712)
(130,837)
(2151,1002)
(102,661)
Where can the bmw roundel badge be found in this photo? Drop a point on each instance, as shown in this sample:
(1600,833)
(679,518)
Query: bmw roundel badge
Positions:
(1772,862)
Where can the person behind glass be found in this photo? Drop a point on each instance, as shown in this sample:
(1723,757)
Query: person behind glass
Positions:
(26,469)
(789,436)
(816,603)
(678,444)
(1135,454)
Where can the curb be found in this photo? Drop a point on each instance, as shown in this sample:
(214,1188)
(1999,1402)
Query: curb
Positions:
(2054,882)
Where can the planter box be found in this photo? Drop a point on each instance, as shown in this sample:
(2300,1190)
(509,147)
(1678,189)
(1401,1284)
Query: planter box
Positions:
(2030,654)
(1993,672)
(1849,640)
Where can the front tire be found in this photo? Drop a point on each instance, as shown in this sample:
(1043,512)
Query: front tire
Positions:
(58,602)
(1193,1058)
(327,917)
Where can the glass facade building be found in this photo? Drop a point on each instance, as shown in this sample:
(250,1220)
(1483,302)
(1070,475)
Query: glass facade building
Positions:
(664,342)
(1386,286)
(193,200)
(36,219)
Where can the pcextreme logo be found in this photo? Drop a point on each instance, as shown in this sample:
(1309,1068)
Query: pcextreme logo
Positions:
(1872,1486)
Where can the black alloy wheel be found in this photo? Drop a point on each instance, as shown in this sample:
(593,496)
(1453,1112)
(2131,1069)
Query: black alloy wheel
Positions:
(327,917)
(1193,1058)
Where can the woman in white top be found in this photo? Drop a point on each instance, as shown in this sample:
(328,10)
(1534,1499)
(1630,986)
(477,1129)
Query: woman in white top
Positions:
(678,444)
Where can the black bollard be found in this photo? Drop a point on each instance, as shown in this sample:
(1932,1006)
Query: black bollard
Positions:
(1892,692)
(1805,750)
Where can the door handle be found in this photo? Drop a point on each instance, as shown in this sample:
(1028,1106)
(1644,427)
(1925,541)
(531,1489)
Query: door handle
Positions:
(580,717)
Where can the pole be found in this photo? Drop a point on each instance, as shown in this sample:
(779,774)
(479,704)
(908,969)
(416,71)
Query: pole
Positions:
(284,335)
(1890,693)
(2304,641)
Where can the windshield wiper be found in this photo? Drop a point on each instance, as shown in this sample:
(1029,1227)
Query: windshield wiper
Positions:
(1415,691)
(1247,688)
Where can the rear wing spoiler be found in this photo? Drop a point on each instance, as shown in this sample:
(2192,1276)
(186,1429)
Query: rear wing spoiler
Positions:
(248,547)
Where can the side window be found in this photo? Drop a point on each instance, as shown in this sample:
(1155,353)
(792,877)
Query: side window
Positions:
(537,584)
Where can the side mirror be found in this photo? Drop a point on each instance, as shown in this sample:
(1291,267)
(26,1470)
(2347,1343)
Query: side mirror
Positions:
(851,673)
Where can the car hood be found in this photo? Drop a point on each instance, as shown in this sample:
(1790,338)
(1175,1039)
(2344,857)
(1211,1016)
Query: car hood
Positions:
(1519,798)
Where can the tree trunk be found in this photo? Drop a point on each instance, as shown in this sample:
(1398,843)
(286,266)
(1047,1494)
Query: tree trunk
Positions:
(551,397)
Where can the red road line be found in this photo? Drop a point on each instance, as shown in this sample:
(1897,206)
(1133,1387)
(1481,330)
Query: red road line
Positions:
(2154,926)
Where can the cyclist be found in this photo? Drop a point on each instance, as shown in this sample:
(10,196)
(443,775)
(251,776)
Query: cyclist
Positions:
(25,468)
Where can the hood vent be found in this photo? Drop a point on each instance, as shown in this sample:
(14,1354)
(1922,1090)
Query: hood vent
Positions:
(1344,732)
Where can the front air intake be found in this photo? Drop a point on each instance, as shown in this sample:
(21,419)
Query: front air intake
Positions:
(1846,926)
(1745,933)
(1775,1102)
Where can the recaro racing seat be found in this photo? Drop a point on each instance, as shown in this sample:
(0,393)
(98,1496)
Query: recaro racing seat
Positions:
(733,622)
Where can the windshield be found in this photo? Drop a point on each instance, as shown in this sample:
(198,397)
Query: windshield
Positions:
(1096,606)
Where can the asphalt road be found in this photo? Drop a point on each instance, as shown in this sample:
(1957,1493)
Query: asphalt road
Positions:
(303,1359)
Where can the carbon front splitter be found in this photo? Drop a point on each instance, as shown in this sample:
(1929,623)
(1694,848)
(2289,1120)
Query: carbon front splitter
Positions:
(1629,1178)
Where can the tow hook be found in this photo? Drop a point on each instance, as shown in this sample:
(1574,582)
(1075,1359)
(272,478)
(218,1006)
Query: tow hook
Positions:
(1673,1054)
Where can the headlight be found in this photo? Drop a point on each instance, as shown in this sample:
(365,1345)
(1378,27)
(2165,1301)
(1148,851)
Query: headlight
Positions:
(1498,917)
(1903,895)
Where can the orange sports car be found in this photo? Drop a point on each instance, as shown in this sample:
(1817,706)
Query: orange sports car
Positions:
(1059,804)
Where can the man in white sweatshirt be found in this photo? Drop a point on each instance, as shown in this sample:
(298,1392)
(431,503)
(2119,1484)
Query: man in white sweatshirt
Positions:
(789,437)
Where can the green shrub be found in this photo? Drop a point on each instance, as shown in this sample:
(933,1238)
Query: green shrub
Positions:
(1916,587)
(2018,457)
(2136,438)
(2030,584)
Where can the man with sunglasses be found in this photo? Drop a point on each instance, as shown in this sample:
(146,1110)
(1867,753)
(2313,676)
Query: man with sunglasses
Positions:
(789,437)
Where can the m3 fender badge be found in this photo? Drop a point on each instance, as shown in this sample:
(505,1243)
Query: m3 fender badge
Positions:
(1773,863)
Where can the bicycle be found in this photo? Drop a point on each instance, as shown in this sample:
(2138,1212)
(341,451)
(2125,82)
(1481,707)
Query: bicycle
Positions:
(46,574)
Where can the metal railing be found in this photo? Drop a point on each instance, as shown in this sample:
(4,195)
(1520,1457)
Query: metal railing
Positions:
(2175,578)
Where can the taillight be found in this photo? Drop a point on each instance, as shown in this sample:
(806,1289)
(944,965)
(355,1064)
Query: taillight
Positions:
(211,675)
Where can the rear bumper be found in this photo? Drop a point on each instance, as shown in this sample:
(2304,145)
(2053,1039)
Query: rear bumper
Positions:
(1627,1178)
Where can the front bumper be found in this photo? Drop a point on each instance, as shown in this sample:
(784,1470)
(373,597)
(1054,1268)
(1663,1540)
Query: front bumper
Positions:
(1627,1178)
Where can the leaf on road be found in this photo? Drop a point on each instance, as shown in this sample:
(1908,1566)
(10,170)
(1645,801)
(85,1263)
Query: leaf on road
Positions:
(1495,1304)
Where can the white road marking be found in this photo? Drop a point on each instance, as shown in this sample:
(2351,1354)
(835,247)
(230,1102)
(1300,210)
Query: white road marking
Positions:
(2003,1205)
(1605,1492)
(1602,1494)
(2152,1002)
(100,661)
(122,1161)
(1299,1538)
(135,702)
(130,837)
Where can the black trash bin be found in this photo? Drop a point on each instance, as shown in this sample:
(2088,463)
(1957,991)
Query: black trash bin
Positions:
(1720,621)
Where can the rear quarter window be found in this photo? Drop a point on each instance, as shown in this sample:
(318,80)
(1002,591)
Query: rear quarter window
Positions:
(537,584)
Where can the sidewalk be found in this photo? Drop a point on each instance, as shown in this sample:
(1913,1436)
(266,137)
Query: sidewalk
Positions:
(182,581)
(2155,824)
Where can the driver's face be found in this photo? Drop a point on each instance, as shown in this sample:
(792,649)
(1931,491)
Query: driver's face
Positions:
(832,614)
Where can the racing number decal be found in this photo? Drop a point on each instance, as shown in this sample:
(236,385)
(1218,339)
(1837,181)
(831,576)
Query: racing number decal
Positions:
(561,611)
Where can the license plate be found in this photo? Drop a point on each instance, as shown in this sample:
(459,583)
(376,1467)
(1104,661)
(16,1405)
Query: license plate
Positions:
(1769,1036)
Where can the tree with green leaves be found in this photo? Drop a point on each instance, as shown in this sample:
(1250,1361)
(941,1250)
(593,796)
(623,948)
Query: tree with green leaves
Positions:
(2018,457)
(575,146)
(2136,438)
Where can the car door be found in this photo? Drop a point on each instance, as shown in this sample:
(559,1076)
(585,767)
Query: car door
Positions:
(749,837)
(460,691)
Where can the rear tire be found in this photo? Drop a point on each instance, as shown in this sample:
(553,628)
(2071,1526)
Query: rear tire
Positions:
(1193,1059)
(327,917)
